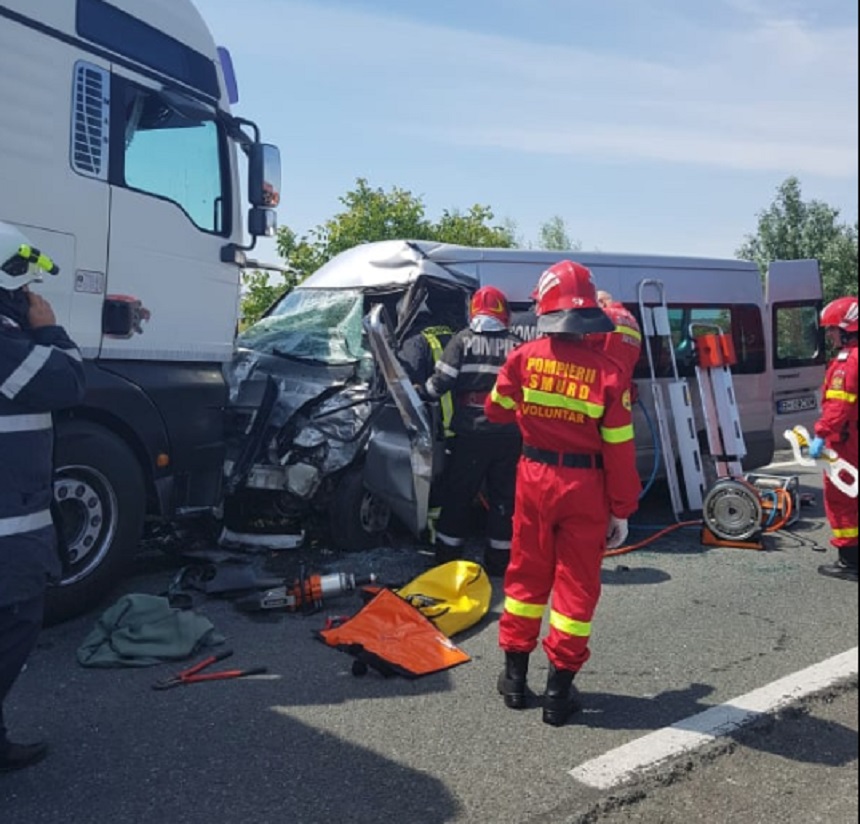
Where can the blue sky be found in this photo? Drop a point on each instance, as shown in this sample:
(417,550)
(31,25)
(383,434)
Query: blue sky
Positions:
(662,126)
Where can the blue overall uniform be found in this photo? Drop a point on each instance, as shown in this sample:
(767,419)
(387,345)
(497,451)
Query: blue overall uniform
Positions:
(41,370)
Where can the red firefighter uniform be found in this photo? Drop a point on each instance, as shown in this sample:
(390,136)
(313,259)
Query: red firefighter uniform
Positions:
(578,466)
(624,345)
(838,426)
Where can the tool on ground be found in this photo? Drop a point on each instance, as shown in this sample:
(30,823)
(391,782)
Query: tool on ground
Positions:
(836,468)
(781,498)
(454,596)
(195,674)
(308,592)
(393,638)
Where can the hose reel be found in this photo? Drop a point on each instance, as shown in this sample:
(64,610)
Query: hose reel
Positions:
(732,514)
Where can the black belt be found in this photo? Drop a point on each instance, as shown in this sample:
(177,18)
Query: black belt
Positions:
(571,460)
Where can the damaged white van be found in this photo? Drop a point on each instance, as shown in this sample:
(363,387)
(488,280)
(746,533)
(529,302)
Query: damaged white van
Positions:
(324,421)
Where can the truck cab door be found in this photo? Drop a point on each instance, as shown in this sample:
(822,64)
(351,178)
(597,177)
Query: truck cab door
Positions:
(400,456)
(794,298)
(172,211)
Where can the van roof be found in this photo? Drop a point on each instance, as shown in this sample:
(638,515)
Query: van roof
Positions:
(400,262)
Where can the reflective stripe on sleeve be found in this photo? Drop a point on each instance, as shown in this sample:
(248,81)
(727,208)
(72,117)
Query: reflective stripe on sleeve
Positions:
(617,434)
(25,523)
(524,610)
(74,353)
(628,330)
(25,423)
(837,395)
(579,629)
(447,369)
(847,532)
(502,400)
(28,369)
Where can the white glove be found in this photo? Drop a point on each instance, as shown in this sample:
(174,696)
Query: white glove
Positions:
(616,535)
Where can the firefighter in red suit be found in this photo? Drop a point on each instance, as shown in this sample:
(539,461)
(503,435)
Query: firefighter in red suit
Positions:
(623,345)
(837,429)
(576,484)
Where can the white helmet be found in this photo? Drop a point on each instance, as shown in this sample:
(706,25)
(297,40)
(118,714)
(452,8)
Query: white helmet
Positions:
(21,262)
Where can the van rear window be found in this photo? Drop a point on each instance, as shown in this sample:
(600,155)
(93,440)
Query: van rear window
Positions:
(123,34)
(798,338)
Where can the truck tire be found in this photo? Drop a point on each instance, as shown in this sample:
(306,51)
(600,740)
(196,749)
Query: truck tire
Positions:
(100,492)
(358,519)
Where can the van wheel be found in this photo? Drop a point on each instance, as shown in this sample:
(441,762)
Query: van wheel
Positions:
(358,518)
(100,492)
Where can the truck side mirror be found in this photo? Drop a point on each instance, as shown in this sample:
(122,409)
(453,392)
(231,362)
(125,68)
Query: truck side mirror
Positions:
(264,176)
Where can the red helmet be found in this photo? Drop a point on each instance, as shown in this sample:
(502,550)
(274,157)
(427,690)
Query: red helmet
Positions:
(842,313)
(491,303)
(567,301)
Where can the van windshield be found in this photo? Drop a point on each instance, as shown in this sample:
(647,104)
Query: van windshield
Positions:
(321,325)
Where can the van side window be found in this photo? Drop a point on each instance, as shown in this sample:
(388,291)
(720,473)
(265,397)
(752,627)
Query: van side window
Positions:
(166,153)
(798,340)
(743,320)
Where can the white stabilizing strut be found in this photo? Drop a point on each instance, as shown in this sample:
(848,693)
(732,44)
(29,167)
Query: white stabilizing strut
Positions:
(835,467)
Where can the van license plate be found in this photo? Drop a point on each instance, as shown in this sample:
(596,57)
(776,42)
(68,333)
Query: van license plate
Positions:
(789,405)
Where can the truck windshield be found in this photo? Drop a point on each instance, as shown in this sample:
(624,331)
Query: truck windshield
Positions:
(322,325)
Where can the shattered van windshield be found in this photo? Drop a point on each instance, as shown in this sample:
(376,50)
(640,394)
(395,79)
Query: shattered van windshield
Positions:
(322,325)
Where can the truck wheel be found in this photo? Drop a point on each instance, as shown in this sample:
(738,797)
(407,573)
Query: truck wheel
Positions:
(100,492)
(358,518)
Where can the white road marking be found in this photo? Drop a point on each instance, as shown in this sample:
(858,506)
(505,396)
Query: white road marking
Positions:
(623,763)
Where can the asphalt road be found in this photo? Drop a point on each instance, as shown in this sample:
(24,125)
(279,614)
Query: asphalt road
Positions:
(681,628)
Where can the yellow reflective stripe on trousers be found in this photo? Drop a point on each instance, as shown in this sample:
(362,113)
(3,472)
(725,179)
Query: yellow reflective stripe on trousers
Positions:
(524,610)
(848,532)
(837,395)
(446,402)
(553,401)
(502,400)
(617,434)
(580,629)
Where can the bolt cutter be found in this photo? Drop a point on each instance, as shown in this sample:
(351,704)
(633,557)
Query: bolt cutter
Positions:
(195,674)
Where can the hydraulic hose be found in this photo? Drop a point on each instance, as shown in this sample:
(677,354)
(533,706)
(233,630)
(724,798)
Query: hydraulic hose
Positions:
(655,441)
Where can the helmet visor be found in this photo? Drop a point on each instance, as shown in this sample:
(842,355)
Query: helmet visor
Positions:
(575,322)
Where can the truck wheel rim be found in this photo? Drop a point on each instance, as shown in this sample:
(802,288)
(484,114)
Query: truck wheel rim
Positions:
(88,505)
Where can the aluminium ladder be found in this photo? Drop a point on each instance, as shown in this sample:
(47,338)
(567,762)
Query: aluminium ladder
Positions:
(656,328)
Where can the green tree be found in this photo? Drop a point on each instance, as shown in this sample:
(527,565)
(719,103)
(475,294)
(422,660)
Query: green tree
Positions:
(553,235)
(793,229)
(369,214)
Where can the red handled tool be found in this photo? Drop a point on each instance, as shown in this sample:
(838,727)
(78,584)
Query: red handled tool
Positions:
(194,675)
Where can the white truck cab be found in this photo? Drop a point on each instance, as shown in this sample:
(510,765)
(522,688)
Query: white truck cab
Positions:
(120,158)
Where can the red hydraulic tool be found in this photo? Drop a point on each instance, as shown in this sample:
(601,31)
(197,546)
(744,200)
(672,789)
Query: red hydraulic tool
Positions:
(195,674)
(308,592)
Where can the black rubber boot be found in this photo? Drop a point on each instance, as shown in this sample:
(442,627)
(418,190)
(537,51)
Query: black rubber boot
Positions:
(512,680)
(561,699)
(845,567)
